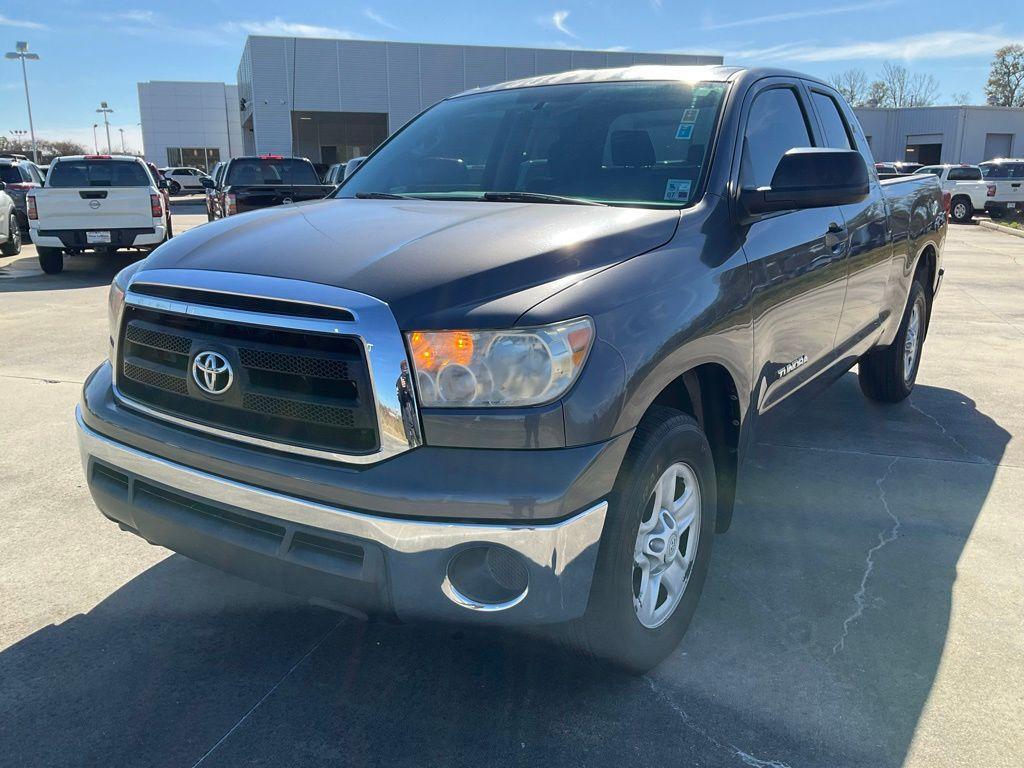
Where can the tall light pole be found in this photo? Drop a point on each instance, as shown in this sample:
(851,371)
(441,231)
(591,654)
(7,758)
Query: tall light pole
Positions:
(106,123)
(95,141)
(23,54)
(123,150)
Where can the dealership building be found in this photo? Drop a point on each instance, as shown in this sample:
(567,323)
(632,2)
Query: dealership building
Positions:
(330,100)
(932,135)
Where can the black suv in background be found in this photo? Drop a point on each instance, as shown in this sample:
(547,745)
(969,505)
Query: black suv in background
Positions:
(20,175)
(251,183)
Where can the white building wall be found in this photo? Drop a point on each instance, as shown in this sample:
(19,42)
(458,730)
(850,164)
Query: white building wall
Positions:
(188,114)
(280,75)
(962,130)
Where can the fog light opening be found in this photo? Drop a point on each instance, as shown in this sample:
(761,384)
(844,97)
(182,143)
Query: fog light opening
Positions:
(486,578)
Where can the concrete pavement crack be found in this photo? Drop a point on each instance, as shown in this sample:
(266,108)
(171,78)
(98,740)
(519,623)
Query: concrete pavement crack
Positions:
(745,757)
(886,536)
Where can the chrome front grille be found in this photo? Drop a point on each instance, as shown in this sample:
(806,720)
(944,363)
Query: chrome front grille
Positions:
(320,371)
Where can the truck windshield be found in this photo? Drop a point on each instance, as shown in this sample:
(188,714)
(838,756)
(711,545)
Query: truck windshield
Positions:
(629,143)
(260,171)
(98,173)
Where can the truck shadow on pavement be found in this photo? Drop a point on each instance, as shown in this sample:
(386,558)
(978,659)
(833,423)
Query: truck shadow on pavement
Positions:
(22,273)
(817,640)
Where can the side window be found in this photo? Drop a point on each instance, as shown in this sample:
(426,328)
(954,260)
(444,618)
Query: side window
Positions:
(775,125)
(837,132)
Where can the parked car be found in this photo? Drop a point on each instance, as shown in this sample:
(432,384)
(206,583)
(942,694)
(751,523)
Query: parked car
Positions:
(965,187)
(888,170)
(217,177)
(10,231)
(98,203)
(185,180)
(351,166)
(1005,179)
(251,183)
(335,174)
(164,188)
(509,375)
(21,176)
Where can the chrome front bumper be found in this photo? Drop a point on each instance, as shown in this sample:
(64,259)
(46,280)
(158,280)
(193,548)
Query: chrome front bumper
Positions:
(287,542)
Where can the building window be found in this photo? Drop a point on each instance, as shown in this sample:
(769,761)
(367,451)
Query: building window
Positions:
(203,158)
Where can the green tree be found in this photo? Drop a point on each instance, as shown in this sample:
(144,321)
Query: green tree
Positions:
(1005,86)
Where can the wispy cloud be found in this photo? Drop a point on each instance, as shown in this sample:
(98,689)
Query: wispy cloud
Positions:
(772,18)
(557,20)
(376,18)
(7,21)
(929,45)
(279,27)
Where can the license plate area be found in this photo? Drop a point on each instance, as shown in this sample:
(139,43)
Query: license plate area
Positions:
(97,236)
(1011,205)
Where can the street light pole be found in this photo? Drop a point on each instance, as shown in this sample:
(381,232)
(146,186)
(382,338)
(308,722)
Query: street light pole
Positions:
(106,123)
(95,141)
(123,150)
(23,54)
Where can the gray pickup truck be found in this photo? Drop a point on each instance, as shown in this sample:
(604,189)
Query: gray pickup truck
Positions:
(508,372)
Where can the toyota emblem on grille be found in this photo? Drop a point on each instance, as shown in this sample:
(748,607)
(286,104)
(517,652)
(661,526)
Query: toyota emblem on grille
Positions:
(212,372)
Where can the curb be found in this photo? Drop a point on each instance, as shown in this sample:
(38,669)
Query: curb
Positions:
(1001,228)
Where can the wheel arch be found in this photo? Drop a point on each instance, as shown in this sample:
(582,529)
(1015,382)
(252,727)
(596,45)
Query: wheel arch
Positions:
(708,392)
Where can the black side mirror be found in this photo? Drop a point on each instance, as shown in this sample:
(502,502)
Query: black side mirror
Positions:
(208,183)
(161,183)
(811,178)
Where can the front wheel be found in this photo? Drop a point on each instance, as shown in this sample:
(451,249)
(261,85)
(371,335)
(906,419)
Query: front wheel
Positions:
(888,374)
(961,210)
(656,546)
(51,260)
(173,187)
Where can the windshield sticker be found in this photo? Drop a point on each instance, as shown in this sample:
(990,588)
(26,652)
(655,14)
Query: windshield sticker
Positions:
(678,190)
(690,115)
(684,131)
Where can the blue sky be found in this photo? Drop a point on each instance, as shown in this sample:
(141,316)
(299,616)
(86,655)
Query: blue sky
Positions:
(94,50)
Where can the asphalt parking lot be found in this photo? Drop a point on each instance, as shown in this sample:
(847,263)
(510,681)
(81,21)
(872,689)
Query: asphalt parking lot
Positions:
(866,609)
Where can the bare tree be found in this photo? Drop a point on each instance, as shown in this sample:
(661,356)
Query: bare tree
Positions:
(1005,86)
(961,99)
(878,95)
(852,84)
(897,87)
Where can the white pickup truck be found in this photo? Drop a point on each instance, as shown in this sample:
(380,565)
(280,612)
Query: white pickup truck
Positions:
(98,203)
(1005,179)
(964,184)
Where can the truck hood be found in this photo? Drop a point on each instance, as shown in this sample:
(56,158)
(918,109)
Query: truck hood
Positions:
(438,264)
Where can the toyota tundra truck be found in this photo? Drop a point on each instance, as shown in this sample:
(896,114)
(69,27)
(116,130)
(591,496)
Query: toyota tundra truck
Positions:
(508,373)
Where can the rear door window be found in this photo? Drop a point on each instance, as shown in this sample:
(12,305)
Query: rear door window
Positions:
(9,174)
(98,173)
(837,132)
(964,174)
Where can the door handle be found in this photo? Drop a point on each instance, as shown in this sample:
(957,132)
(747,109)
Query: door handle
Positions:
(835,237)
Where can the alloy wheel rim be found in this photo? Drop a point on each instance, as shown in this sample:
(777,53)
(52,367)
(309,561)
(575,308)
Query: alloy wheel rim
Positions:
(15,231)
(910,343)
(960,211)
(666,545)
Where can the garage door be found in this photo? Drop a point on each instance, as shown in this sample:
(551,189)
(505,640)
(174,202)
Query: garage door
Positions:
(998,145)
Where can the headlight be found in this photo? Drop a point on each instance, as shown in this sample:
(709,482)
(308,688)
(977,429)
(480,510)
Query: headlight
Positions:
(115,301)
(517,367)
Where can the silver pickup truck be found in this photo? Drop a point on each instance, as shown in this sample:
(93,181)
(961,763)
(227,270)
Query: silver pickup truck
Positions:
(508,372)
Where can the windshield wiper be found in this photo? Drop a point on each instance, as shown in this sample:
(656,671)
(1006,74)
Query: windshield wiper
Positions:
(536,197)
(383,196)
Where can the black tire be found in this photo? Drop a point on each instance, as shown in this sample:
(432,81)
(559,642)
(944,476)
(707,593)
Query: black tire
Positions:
(611,630)
(12,246)
(995,213)
(883,373)
(961,210)
(51,260)
(173,187)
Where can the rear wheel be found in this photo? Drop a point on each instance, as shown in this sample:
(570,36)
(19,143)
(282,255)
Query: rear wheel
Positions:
(656,546)
(12,246)
(961,209)
(51,260)
(888,374)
